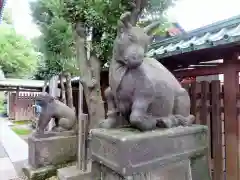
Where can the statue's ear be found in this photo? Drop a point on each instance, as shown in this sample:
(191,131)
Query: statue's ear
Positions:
(124,22)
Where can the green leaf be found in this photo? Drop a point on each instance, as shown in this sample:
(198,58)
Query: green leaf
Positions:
(57,20)
(18,57)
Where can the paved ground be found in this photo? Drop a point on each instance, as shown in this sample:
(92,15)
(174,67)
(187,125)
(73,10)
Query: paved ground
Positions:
(13,153)
(13,150)
(3,153)
(16,147)
(7,170)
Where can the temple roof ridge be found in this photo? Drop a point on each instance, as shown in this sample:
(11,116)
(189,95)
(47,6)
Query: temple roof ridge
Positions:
(219,33)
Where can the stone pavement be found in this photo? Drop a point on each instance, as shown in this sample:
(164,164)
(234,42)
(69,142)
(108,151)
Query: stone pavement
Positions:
(13,152)
(7,170)
(3,153)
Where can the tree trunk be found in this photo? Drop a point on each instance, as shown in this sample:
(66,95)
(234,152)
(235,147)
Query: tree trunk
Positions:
(137,8)
(90,78)
(44,86)
(63,90)
(53,86)
(69,90)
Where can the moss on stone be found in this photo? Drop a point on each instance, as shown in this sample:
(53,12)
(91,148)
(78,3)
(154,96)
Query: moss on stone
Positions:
(45,173)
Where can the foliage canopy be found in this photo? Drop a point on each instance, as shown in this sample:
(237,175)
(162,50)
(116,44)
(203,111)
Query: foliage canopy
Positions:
(56,42)
(57,20)
(18,57)
(100,18)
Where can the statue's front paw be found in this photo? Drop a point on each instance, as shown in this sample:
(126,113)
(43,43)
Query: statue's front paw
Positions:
(185,121)
(164,122)
(58,129)
(108,123)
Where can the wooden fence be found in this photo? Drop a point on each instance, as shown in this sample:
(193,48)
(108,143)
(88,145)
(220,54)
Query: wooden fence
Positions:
(20,105)
(208,107)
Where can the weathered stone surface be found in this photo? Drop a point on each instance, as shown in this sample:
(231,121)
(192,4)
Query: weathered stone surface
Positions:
(175,171)
(65,117)
(43,172)
(129,152)
(181,170)
(40,173)
(198,167)
(141,89)
(52,149)
(73,173)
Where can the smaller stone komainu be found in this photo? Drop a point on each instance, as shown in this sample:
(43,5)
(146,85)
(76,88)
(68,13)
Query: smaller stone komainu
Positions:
(65,117)
(141,90)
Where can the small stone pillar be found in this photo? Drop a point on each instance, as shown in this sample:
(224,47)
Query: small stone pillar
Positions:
(49,152)
(165,154)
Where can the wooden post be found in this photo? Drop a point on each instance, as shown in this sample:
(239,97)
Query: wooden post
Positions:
(8,103)
(204,115)
(16,104)
(82,148)
(80,127)
(193,93)
(231,87)
(82,133)
(217,145)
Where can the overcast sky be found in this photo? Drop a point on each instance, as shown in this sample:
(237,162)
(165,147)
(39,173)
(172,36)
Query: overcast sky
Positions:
(22,18)
(190,14)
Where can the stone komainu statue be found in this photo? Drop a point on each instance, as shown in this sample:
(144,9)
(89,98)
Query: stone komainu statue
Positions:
(141,90)
(65,117)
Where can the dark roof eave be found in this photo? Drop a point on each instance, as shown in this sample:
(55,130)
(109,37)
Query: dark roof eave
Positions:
(225,32)
(228,23)
(191,50)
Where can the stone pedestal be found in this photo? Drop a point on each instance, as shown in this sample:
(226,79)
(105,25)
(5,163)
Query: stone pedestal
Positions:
(50,151)
(74,173)
(171,154)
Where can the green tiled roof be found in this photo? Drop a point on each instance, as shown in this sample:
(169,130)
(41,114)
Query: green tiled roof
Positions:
(221,33)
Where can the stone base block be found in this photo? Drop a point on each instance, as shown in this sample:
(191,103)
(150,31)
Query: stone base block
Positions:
(170,154)
(73,173)
(43,172)
(40,173)
(175,171)
(52,149)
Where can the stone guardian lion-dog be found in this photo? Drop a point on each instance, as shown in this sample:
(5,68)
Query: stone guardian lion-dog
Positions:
(142,92)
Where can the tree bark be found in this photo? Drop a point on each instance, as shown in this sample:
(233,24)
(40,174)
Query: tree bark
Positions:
(53,85)
(69,90)
(63,90)
(90,77)
(137,8)
(45,86)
